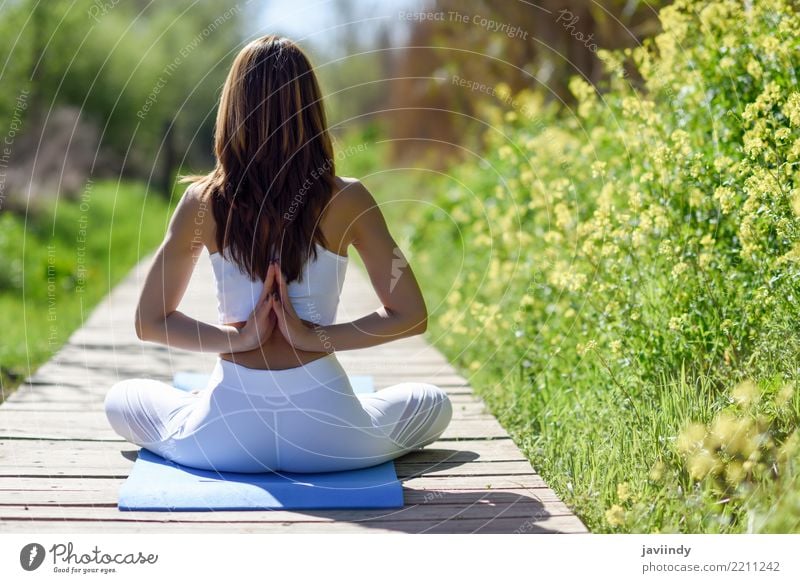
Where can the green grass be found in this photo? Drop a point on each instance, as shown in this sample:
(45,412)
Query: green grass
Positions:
(61,260)
(601,446)
(596,451)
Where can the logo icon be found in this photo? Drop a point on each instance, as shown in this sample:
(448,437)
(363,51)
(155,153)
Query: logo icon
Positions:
(31,556)
(398,263)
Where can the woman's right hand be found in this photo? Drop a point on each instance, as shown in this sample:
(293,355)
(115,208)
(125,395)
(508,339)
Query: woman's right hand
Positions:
(259,326)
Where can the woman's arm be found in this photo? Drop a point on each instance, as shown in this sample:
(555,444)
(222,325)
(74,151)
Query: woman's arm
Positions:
(403,312)
(157,318)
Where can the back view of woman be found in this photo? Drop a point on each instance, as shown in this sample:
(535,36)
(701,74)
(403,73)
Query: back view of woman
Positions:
(277,223)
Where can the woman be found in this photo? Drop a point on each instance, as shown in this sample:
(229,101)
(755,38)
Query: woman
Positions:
(277,223)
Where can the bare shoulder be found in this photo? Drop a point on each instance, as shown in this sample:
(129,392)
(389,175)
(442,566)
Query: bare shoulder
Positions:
(351,197)
(193,219)
(195,197)
(360,214)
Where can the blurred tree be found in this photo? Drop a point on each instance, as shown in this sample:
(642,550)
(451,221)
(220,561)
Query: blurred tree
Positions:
(146,74)
(519,43)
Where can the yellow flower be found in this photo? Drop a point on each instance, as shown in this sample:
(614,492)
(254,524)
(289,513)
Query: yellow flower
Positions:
(791,109)
(723,430)
(679,268)
(623,491)
(795,194)
(563,216)
(695,197)
(734,473)
(784,395)
(702,464)
(722,163)
(746,393)
(598,168)
(681,141)
(736,436)
(460,216)
(675,323)
(754,69)
(582,349)
(770,44)
(502,90)
(582,90)
(726,197)
(657,471)
(691,438)
(665,248)
(615,516)
(789,447)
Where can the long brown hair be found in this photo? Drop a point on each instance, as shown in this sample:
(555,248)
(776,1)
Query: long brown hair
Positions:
(275,170)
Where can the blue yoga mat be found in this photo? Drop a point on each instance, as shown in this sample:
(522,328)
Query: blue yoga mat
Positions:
(156,483)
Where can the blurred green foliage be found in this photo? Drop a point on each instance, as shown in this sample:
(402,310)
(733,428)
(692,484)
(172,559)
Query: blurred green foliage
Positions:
(55,267)
(133,68)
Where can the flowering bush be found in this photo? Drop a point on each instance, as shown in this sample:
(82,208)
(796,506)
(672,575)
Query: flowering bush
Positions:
(641,246)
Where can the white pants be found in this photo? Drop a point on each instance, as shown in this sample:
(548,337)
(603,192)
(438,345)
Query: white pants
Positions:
(304,419)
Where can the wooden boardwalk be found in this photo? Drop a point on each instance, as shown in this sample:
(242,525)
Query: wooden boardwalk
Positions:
(61,464)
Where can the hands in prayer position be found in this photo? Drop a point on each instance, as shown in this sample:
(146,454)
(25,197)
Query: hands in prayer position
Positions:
(274,309)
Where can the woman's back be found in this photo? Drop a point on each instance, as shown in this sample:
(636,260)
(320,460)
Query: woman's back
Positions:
(315,297)
(279,400)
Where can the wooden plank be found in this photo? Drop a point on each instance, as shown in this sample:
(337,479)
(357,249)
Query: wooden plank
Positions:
(103,458)
(404,469)
(411,496)
(67,458)
(77,397)
(88,491)
(104,375)
(85,423)
(473,411)
(94,425)
(551,525)
(461,409)
(407,470)
(525,508)
(485,448)
(468,482)
(478,496)
(52,398)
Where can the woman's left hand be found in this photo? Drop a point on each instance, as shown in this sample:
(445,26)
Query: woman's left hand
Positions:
(296,331)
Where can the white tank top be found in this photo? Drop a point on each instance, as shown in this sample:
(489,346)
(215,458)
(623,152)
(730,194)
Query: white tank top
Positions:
(315,298)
